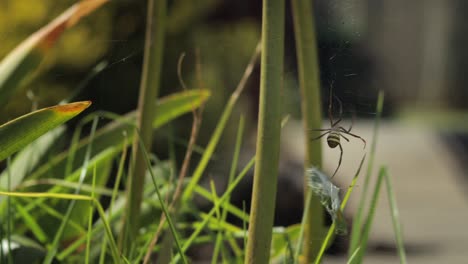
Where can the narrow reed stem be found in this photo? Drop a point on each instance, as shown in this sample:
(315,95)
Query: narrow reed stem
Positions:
(268,137)
(309,81)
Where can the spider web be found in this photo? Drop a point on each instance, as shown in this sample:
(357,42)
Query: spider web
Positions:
(344,60)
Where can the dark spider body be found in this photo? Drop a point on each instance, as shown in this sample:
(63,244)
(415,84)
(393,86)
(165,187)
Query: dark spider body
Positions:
(336,132)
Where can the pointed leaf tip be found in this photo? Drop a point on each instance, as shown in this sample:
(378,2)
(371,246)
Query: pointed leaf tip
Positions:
(72,107)
(17,133)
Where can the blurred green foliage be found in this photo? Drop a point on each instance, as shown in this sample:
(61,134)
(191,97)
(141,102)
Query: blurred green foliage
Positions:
(77,50)
(115,34)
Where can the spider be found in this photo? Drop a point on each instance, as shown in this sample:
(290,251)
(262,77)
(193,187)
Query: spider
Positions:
(336,131)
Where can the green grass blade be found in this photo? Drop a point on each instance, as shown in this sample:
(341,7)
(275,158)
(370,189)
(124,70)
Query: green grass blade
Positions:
(311,109)
(74,197)
(351,259)
(383,175)
(265,178)
(150,83)
(220,128)
(112,201)
(331,231)
(111,135)
(44,207)
(370,217)
(58,236)
(90,221)
(29,157)
(9,222)
(223,198)
(161,201)
(18,133)
(175,105)
(395,219)
(357,221)
(67,184)
(303,223)
(103,157)
(240,132)
(226,205)
(32,224)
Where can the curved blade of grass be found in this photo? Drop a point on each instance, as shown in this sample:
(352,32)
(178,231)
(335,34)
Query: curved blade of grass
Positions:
(397,229)
(220,127)
(8,216)
(67,184)
(240,132)
(54,214)
(32,224)
(161,200)
(303,223)
(75,197)
(351,259)
(112,201)
(356,230)
(19,132)
(27,56)
(28,158)
(383,175)
(169,108)
(90,220)
(331,231)
(103,157)
(228,207)
(80,211)
(58,235)
(223,198)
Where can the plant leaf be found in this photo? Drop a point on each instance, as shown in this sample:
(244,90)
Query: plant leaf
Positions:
(19,132)
(168,109)
(28,158)
(27,56)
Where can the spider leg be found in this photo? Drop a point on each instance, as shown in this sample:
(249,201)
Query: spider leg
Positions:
(330,103)
(323,129)
(321,135)
(339,161)
(336,122)
(340,112)
(344,137)
(356,136)
(353,117)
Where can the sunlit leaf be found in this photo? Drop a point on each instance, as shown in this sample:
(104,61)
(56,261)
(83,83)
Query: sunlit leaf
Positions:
(121,132)
(19,132)
(27,56)
(28,158)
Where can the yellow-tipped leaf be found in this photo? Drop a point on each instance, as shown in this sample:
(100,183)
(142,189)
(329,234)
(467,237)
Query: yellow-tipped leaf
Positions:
(26,57)
(18,133)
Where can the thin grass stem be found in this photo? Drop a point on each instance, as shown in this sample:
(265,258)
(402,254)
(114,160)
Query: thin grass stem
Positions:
(149,89)
(309,83)
(357,221)
(268,135)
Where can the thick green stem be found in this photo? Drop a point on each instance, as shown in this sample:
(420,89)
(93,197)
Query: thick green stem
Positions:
(268,137)
(309,81)
(149,87)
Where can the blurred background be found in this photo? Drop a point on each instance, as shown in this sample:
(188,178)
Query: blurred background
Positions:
(415,51)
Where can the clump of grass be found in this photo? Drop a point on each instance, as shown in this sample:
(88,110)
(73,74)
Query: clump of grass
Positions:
(32,203)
